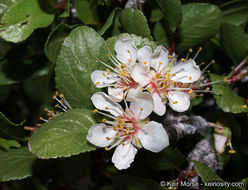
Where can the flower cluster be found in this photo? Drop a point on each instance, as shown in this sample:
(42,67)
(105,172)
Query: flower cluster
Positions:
(146,81)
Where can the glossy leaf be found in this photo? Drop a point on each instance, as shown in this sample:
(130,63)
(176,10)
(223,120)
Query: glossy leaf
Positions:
(160,34)
(172,10)
(76,62)
(64,135)
(5,5)
(235,41)
(226,99)
(22,19)
(18,164)
(134,22)
(200,22)
(206,173)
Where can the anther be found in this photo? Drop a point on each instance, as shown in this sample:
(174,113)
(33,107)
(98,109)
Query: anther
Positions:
(175,102)
(95,110)
(104,120)
(244,106)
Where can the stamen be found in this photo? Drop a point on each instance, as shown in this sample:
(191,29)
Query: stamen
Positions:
(208,65)
(200,49)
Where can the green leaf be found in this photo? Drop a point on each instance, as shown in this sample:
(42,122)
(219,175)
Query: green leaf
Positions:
(76,62)
(206,173)
(10,130)
(160,34)
(228,101)
(134,22)
(200,22)
(128,182)
(235,12)
(235,41)
(17,164)
(86,11)
(156,15)
(5,5)
(7,144)
(64,135)
(172,10)
(22,19)
(109,22)
(55,40)
(169,158)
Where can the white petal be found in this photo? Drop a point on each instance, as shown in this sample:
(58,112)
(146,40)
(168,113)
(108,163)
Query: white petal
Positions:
(144,55)
(97,135)
(125,51)
(159,107)
(139,74)
(220,141)
(142,106)
(187,72)
(124,156)
(103,102)
(132,93)
(153,136)
(179,101)
(102,78)
(159,58)
(116,94)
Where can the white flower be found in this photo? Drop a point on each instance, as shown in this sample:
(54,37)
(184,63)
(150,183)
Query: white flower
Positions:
(118,78)
(128,130)
(166,81)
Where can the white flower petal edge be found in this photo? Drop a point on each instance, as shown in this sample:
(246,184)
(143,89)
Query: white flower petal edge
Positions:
(153,136)
(103,102)
(139,74)
(116,94)
(179,101)
(132,93)
(220,141)
(103,78)
(159,106)
(144,55)
(97,135)
(126,51)
(159,58)
(124,156)
(187,72)
(142,106)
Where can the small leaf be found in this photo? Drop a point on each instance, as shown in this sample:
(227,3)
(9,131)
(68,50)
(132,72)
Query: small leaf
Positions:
(128,182)
(10,130)
(200,22)
(22,19)
(134,22)
(206,173)
(235,41)
(228,101)
(17,164)
(7,144)
(172,10)
(86,11)
(64,135)
(76,62)
(160,34)
(156,15)
(235,12)
(55,40)
(109,22)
